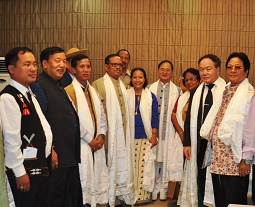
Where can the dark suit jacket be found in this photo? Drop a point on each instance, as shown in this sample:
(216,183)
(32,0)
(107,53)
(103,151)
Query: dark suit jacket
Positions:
(62,118)
(66,79)
(187,141)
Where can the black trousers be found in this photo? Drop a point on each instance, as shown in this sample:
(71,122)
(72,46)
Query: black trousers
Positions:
(201,172)
(230,189)
(36,196)
(65,188)
(253,184)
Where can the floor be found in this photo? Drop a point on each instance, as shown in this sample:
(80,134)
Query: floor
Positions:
(159,203)
(168,203)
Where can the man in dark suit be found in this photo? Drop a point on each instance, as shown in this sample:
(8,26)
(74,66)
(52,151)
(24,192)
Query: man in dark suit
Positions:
(68,75)
(65,187)
(201,100)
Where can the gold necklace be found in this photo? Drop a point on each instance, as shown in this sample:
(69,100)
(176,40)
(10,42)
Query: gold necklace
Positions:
(138,103)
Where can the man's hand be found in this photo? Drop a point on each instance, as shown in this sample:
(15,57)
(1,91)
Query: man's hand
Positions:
(94,145)
(244,169)
(187,152)
(100,142)
(54,159)
(23,183)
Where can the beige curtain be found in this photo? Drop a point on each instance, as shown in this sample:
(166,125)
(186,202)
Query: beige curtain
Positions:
(178,30)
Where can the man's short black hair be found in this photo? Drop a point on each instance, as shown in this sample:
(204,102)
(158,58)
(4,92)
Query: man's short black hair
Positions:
(77,58)
(47,52)
(12,56)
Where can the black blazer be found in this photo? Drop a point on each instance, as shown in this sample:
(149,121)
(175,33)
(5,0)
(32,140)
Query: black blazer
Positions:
(62,118)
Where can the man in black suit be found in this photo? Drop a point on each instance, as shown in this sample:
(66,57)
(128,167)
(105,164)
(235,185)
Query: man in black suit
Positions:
(68,75)
(204,97)
(65,187)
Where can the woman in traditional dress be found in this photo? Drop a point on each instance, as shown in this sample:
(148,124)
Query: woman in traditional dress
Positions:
(191,80)
(144,122)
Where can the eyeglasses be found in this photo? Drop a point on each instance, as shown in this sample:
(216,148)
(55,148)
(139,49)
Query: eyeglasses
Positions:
(165,70)
(236,67)
(115,64)
(190,79)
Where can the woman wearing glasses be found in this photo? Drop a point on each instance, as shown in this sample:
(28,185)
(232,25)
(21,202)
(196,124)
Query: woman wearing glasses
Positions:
(191,80)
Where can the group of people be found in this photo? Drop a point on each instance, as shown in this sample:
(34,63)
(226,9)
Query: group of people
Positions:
(219,139)
(120,140)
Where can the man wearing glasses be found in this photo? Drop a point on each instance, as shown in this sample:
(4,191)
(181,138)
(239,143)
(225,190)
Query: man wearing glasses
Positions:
(204,104)
(119,147)
(167,93)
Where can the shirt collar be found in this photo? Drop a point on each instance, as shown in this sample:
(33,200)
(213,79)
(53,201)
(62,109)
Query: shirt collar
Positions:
(164,85)
(85,88)
(114,80)
(71,75)
(20,87)
(215,82)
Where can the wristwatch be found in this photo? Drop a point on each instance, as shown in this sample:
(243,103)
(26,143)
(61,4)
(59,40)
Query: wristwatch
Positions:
(247,162)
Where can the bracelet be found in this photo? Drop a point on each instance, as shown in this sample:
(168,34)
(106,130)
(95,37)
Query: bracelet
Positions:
(181,133)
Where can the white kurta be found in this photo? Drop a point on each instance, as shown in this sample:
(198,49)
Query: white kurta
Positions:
(165,146)
(120,152)
(94,173)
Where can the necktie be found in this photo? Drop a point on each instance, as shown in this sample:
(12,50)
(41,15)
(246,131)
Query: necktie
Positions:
(30,98)
(208,101)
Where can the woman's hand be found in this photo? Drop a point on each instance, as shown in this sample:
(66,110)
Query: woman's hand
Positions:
(153,141)
(187,152)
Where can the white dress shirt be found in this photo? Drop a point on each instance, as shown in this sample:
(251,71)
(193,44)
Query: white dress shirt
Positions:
(11,124)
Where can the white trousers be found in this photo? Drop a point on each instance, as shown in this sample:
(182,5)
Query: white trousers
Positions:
(159,187)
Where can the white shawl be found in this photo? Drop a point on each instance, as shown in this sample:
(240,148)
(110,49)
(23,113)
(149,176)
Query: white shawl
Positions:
(170,131)
(120,153)
(176,160)
(188,192)
(146,114)
(93,172)
(231,128)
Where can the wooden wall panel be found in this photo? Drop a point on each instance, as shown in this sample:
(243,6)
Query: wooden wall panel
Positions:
(178,30)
